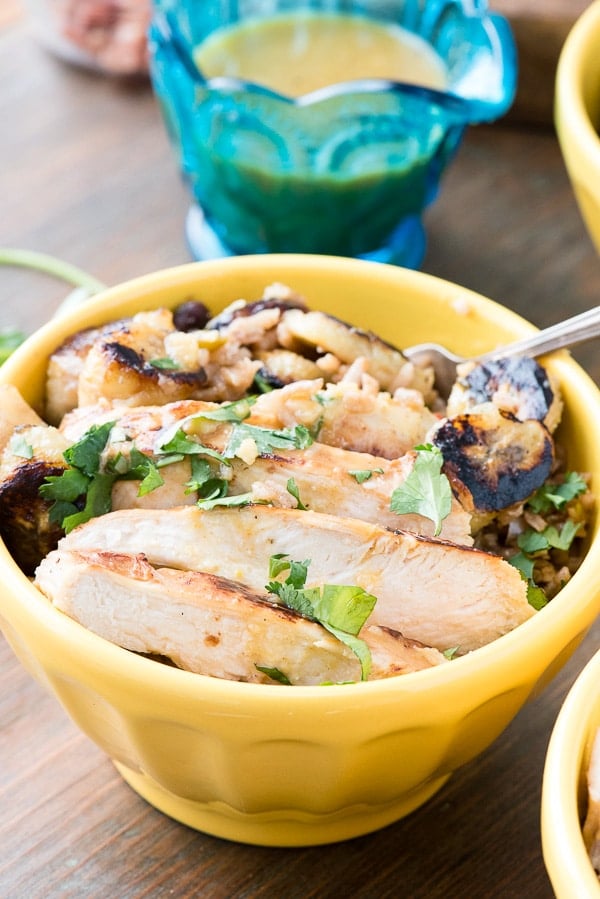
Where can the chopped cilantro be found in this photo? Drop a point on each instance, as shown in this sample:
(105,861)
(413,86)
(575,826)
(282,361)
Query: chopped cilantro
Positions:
(181,444)
(84,489)
(262,383)
(165,363)
(292,489)
(555,496)
(340,609)
(18,446)
(275,674)
(218,499)
(364,474)
(426,491)
(536,596)
(531,541)
(267,439)
(235,412)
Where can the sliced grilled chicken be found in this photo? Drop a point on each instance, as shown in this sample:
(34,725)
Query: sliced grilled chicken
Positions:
(347,415)
(492,459)
(519,386)
(436,592)
(322,474)
(327,334)
(212,625)
(33,453)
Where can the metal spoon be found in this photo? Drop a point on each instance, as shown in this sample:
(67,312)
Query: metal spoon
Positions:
(567,333)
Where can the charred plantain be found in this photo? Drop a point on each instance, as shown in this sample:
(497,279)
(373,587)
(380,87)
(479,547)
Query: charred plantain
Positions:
(492,459)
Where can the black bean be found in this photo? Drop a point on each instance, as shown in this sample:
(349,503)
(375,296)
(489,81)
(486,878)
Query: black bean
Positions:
(191,316)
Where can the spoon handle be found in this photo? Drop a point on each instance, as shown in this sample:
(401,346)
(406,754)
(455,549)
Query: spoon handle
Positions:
(574,330)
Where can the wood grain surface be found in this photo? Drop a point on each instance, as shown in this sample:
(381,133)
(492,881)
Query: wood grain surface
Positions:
(86,174)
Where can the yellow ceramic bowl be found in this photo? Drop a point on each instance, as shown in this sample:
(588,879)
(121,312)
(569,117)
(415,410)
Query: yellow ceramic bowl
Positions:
(577,114)
(304,765)
(564,788)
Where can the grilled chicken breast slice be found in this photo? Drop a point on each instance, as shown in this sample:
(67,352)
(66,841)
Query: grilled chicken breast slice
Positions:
(321,473)
(211,625)
(439,593)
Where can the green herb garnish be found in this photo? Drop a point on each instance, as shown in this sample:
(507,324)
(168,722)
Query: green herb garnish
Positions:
(165,363)
(292,489)
(275,674)
(340,609)
(554,496)
(364,474)
(82,478)
(268,439)
(20,447)
(426,491)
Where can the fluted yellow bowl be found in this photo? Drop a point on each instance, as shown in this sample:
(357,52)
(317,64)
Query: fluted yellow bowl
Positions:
(577,114)
(296,766)
(564,788)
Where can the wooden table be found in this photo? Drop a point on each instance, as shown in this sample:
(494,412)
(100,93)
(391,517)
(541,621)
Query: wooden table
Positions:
(86,174)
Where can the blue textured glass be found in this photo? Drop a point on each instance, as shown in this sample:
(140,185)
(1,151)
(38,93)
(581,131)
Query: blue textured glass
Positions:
(345,170)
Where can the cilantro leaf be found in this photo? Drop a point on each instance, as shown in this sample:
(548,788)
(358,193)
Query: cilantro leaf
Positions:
(564,538)
(66,487)
(555,496)
(97,501)
(292,488)
(344,607)
(219,499)
(144,469)
(524,563)
(364,474)
(536,596)
(340,609)
(86,453)
(235,411)
(182,444)
(358,647)
(267,439)
(275,674)
(18,446)
(426,491)
(165,363)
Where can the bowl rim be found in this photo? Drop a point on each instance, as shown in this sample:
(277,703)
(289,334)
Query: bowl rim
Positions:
(570,110)
(120,666)
(565,856)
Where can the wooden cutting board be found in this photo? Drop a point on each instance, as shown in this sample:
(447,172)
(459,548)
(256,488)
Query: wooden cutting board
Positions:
(540,28)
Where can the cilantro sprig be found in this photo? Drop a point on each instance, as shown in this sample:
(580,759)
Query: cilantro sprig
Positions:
(426,491)
(84,489)
(82,479)
(340,609)
(534,544)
